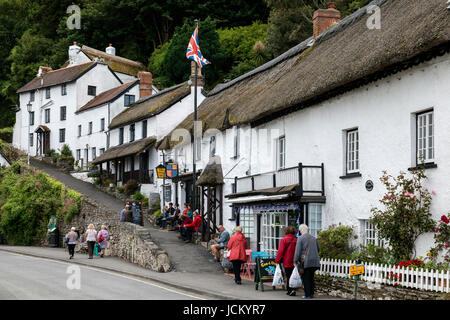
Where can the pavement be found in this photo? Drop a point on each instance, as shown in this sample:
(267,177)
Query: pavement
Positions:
(192,270)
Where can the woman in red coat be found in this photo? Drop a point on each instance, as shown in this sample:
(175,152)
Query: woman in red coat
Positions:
(285,255)
(237,246)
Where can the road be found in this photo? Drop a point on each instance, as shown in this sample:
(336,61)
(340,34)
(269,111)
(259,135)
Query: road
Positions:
(24,278)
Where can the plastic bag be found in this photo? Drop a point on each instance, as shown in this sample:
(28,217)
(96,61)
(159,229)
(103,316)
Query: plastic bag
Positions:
(295,281)
(277,277)
(226,263)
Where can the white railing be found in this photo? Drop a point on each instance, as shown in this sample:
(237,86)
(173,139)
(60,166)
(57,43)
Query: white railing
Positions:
(421,279)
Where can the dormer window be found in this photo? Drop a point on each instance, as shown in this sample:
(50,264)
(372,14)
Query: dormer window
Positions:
(92,91)
(129,100)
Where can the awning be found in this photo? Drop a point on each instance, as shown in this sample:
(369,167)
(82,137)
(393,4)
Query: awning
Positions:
(42,128)
(125,150)
(257,198)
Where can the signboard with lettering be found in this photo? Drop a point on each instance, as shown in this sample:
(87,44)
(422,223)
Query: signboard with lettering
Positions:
(264,270)
(356,270)
(136,207)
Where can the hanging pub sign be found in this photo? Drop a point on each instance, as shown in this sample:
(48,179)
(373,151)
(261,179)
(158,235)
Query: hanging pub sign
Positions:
(172,170)
(160,171)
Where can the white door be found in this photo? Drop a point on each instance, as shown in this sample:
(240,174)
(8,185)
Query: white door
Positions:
(272,230)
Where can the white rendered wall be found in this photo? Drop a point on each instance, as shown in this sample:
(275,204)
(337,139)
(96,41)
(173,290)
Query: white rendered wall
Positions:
(382,112)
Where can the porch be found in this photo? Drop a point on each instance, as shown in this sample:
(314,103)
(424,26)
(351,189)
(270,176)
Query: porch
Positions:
(128,161)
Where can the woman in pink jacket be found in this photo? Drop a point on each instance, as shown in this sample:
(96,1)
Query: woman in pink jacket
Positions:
(237,246)
(102,238)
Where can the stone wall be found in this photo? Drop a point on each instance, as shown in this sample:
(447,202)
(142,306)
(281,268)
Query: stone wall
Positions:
(345,288)
(128,241)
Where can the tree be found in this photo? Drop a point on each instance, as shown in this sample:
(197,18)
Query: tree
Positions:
(178,67)
(405,214)
(290,21)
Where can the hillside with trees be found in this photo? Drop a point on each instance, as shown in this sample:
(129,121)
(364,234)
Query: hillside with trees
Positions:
(235,35)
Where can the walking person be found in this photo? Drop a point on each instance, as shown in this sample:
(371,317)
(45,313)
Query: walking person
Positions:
(221,242)
(122,213)
(307,258)
(237,245)
(102,238)
(91,238)
(285,255)
(72,238)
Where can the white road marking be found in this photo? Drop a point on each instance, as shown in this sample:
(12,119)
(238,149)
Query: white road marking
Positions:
(107,272)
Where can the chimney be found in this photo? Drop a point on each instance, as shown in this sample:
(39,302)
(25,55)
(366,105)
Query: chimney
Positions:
(73,54)
(200,78)
(323,19)
(43,70)
(111,50)
(145,84)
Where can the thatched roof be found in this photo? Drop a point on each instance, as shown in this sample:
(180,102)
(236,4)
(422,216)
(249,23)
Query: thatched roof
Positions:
(344,57)
(125,150)
(116,63)
(56,77)
(152,105)
(212,175)
(108,96)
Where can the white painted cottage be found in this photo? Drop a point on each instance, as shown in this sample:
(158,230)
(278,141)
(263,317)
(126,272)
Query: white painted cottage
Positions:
(74,104)
(135,131)
(319,124)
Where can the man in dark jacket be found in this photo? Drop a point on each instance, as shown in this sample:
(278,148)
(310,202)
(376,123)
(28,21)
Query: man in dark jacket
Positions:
(307,254)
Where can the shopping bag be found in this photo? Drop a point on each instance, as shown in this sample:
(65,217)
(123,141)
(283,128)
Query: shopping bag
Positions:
(295,281)
(97,249)
(226,263)
(277,277)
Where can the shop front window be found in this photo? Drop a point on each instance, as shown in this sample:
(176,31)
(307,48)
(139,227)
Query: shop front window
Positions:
(273,224)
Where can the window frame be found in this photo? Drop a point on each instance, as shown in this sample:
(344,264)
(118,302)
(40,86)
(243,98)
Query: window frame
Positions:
(61,113)
(63,132)
(212,146)
(31,139)
(281,166)
(32,96)
(89,91)
(313,230)
(144,129)
(64,89)
(127,99)
(356,160)
(31,118)
(94,153)
(79,130)
(90,127)
(47,93)
(424,115)
(121,135)
(132,132)
(47,115)
(102,124)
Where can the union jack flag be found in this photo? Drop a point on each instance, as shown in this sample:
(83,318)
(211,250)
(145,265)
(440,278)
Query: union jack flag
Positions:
(193,51)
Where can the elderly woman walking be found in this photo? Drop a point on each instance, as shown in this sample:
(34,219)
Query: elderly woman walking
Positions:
(237,246)
(102,238)
(72,238)
(91,238)
(285,255)
(307,258)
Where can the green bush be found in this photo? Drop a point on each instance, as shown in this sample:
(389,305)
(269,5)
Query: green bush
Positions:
(155,206)
(334,242)
(66,152)
(138,196)
(6,134)
(121,189)
(373,254)
(28,200)
(145,203)
(131,187)
(157,213)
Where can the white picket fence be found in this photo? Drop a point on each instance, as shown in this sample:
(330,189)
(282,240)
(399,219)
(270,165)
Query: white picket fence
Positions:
(428,280)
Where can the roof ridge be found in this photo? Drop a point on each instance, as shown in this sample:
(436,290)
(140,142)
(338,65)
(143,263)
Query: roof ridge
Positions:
(68,67)
(123,59)
(299,48)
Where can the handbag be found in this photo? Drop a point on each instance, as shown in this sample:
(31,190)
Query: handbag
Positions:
(301,269)
(100,238)
(66,240)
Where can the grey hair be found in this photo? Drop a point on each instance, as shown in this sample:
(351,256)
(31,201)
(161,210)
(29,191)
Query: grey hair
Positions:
(303,228)
(73,229)
(238,229)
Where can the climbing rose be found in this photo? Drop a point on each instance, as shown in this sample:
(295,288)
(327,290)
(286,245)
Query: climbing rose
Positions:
(446,245)
(445,219)
(437,229)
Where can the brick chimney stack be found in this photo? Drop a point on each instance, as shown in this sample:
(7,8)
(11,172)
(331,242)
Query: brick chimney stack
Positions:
(145,84)
(200,78)
(323,19)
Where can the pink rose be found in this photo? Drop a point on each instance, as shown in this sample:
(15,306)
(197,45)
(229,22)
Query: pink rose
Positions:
(411,196)
(446,245)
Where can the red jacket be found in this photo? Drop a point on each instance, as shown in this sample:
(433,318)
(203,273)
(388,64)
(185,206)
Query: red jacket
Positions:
(186,221)
(237,245)
(197,222)
(286,253)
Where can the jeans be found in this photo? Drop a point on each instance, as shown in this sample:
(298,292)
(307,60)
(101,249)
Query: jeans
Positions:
(71,249)
(91,245)
(237,269)
(187,233)
(308,281)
